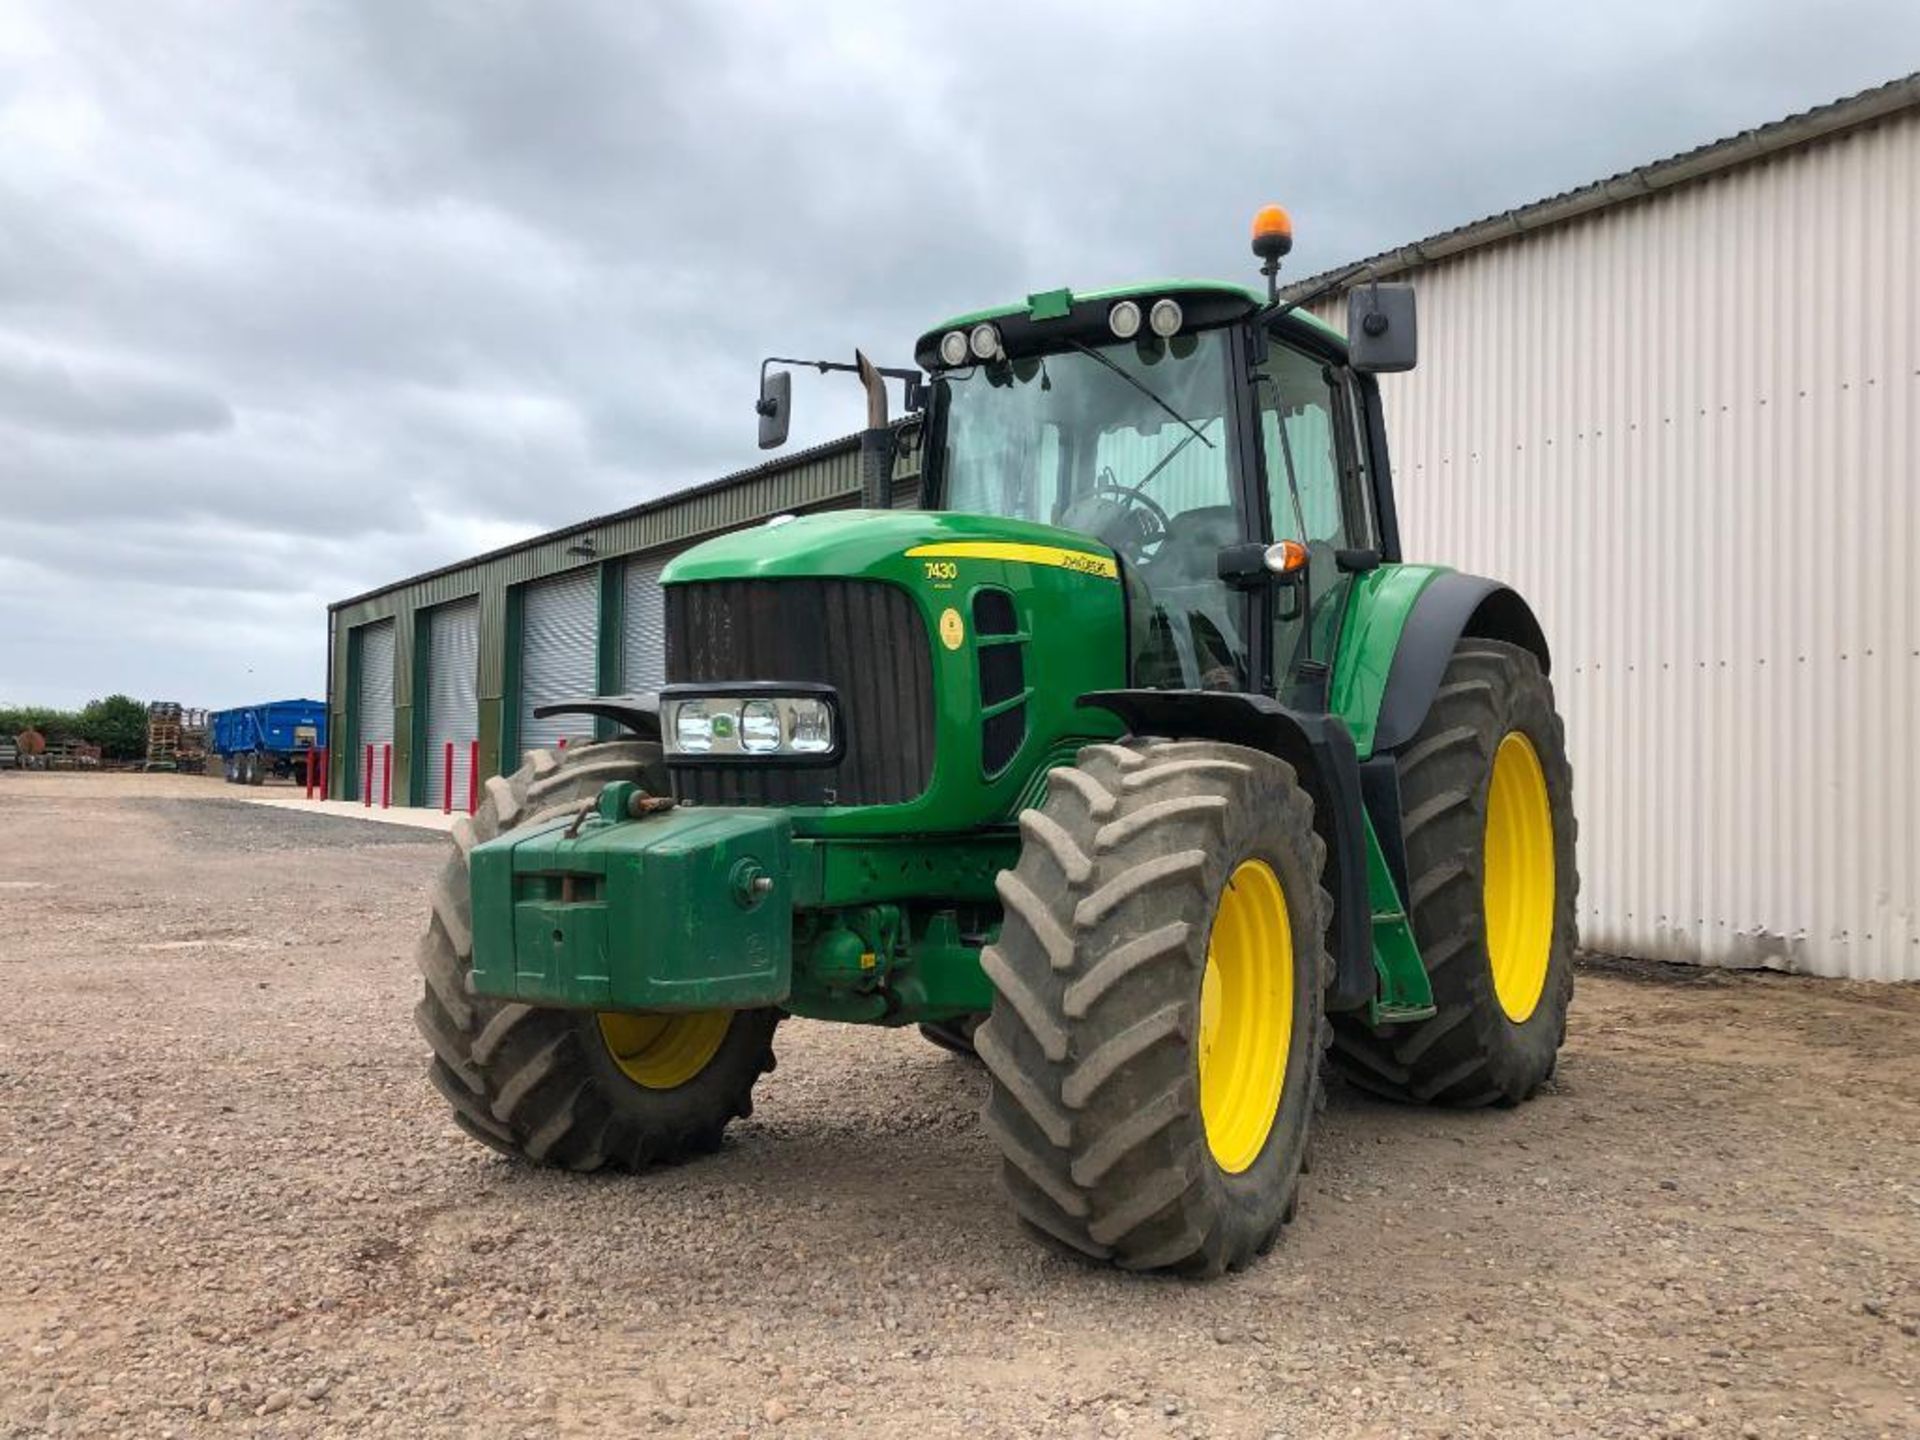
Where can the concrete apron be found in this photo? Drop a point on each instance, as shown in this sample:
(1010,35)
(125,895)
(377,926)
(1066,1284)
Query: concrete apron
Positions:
(418,819)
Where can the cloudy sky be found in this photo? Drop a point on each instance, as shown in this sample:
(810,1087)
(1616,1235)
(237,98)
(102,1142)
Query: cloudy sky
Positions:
(297,299)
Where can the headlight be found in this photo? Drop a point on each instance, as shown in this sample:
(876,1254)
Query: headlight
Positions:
(953,347)
(984,341)
(692,727)
(809,727)
(1124,320)
(1165,318)
(753,726)
(760,727)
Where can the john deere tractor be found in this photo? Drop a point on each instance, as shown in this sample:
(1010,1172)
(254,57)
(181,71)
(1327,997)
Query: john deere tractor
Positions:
(1137,761)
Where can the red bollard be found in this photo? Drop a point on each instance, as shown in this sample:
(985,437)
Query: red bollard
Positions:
(473,777)
(366,780)
(446,786)
(326,771)
(386,775)
(311,752)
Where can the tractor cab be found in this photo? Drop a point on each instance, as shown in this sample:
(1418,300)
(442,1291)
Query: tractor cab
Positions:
(1225,450)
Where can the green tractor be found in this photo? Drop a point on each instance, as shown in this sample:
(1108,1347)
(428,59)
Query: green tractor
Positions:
(1137,762)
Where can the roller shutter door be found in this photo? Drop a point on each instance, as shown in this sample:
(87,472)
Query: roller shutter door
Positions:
(373,714)
(559,624)
(643,619)
(453,698)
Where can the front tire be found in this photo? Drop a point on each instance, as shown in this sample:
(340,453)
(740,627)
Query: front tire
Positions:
(1486,793)
(569,1087)
(1157,1027)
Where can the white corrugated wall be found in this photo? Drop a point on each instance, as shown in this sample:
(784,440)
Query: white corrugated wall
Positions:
(1687,429)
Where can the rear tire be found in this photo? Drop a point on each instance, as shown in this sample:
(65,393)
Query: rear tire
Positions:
(545,1085)
(1497,1027)
(1106,1101)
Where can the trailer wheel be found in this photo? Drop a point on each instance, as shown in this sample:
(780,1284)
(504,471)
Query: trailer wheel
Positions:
(565,1087)
(1158,1026)
(1487,798)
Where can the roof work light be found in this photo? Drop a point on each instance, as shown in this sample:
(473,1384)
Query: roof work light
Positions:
(1272,238)
(1272,232)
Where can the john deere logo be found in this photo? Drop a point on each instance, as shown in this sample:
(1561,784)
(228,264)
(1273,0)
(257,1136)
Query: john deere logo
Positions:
(952,630)
(723,727)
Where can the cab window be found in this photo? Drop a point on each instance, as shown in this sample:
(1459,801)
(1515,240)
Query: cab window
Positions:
(1315,494)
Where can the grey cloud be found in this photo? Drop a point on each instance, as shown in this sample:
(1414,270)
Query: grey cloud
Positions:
(48,392)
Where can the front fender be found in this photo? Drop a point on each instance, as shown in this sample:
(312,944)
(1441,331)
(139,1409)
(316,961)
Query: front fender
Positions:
(1321,753)
(639,713)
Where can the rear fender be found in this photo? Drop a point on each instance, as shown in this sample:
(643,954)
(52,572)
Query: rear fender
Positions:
(1321,752)
(1449,608)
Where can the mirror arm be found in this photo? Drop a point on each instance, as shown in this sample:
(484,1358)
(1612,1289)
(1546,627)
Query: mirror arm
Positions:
(1274,311)
(912,380)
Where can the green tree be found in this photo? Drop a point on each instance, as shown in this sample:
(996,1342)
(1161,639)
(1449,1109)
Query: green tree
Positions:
(118,725)
(54,724)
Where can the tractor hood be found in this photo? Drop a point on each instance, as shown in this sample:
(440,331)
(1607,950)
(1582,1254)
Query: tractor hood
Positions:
(904,546)
(955,648)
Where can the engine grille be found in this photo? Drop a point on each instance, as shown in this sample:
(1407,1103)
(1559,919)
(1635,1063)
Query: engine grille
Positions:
(864,638)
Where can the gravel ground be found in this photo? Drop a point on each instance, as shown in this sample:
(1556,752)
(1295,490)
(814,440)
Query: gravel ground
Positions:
(229,1204)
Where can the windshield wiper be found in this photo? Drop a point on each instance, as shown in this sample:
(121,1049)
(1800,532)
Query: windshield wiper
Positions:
(1166,460)
(1142,387)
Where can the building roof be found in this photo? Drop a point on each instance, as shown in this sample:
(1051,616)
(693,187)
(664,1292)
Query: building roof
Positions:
(845,445)
(1690,165)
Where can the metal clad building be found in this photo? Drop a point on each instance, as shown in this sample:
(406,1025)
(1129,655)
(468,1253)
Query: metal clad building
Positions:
(1680,412)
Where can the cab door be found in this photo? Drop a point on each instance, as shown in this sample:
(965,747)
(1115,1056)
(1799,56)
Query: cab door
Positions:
(1313,465)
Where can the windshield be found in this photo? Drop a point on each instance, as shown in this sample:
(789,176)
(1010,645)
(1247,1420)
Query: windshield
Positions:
(1085,439)
(1127,444)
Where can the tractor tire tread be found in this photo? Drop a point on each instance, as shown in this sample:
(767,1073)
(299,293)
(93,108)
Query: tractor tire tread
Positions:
(1093,1104)
(1468,1054)
(536,1084)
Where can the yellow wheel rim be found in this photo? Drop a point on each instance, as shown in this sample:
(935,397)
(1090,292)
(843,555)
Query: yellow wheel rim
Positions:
(1518,895)
(663,1052)
(1246,1016)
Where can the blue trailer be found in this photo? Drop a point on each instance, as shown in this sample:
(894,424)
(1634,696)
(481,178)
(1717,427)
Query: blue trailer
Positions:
(277,738)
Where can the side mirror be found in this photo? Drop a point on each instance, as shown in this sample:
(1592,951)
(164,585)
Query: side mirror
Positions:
(1381,334)
(775,408)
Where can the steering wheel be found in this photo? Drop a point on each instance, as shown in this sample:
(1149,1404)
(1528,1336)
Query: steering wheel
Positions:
(1140,524)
